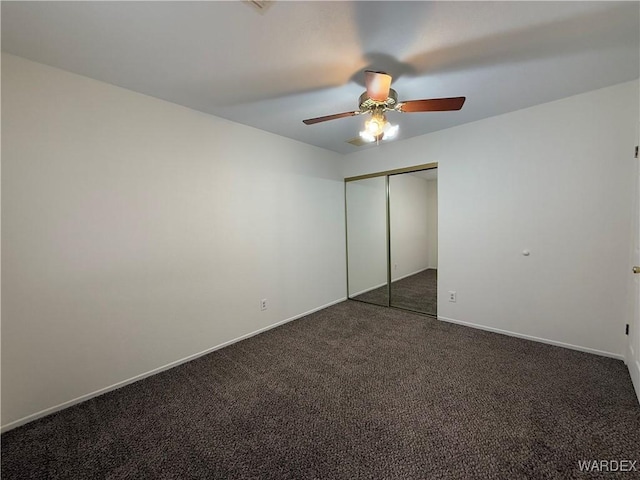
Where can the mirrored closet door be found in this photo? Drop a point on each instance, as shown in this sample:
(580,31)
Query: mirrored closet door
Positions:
(413,213)
(366,201)
(392,238)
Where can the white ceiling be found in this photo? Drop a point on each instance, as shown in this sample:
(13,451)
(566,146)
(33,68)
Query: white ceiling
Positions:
(305,59)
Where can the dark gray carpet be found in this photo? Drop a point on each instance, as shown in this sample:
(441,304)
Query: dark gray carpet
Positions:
(354,391)
(418,293)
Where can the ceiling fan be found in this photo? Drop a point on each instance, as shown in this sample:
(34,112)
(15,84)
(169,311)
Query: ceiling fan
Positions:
(381,98)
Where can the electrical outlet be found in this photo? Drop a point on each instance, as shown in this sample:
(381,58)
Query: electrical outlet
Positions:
(263,304)
(453,296)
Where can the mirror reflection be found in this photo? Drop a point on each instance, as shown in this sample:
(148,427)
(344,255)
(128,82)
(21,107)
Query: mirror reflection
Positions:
(413,210)
(367,240)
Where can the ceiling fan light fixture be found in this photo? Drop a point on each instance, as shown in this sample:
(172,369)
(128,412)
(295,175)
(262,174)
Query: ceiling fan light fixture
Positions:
(375,125)
(378,128)
(390,131)
(367,137)
(380,98)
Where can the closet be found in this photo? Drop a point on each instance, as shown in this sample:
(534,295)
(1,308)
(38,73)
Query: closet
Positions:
(392,238)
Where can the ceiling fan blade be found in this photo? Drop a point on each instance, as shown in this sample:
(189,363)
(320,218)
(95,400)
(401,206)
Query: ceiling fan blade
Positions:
(378,85)
(432,105)
(311,121)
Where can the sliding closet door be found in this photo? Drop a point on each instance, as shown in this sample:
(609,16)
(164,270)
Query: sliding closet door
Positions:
(413,212)
(366,201)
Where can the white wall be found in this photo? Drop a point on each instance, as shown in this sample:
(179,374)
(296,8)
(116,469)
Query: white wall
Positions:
(367,234)
(556,179)
(409,214)
(137,233)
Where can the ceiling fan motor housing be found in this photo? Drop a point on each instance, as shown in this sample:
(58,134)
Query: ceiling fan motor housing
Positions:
(367,104)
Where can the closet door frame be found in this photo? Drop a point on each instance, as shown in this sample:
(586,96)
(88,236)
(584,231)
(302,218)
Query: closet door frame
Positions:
(386,174)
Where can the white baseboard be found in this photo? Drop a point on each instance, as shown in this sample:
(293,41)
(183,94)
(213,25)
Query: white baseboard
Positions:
(535,339)
(412,273)
(115,386)
(367,290)
(393,280)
